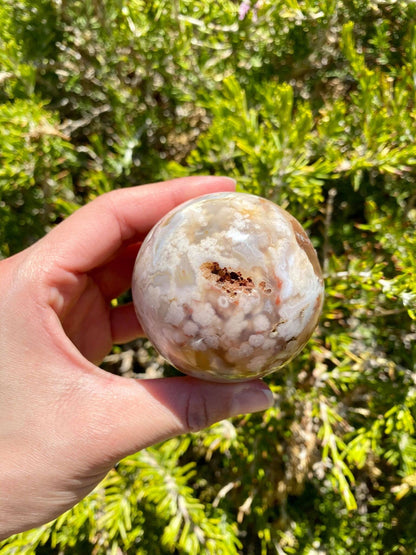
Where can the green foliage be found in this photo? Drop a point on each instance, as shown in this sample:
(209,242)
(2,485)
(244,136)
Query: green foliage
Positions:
(309,103)
(35,161)
(143,505)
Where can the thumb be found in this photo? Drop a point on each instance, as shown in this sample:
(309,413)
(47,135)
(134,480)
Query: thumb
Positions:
(144,412)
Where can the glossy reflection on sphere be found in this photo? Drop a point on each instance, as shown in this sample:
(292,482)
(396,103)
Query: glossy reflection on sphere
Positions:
(228,287)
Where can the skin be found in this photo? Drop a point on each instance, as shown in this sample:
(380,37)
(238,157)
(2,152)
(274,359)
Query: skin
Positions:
(64,422)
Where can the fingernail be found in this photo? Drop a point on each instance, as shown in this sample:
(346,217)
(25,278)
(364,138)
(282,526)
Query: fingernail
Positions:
(251,399)
(233,181)
(230,178)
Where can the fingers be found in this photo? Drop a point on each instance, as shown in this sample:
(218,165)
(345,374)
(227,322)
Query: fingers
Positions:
(145,412)
(114,277)
(124,324)
(94,233)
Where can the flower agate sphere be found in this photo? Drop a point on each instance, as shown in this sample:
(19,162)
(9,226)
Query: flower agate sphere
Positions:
(228,287)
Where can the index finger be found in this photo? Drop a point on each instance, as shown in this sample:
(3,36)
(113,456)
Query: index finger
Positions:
(94,233)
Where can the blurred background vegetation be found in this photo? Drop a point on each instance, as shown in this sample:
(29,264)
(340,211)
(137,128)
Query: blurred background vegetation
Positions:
(310,103)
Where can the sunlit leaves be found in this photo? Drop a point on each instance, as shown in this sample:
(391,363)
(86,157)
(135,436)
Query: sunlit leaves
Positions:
(35,158)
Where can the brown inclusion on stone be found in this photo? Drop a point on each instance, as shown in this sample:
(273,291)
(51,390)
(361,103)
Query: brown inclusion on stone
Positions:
(230,280)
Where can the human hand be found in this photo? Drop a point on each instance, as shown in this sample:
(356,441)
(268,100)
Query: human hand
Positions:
(64,422)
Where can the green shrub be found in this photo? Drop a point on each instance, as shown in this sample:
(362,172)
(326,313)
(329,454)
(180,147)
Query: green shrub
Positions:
(35,180)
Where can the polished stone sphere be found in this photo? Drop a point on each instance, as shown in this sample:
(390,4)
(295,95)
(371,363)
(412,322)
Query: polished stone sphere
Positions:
(228,287)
